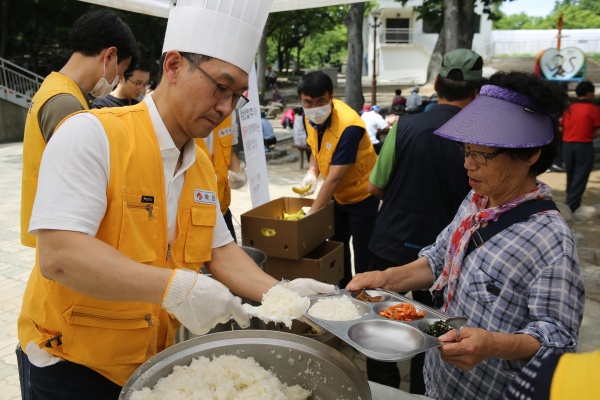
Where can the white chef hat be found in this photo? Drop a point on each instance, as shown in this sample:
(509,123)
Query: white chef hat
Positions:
(229,30)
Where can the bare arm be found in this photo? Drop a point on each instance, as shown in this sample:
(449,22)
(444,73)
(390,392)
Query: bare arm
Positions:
(335,176)
(231,266)
(377,192)
(416,275)
(93,268)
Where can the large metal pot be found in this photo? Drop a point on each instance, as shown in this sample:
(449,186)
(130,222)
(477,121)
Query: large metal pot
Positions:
(295,359)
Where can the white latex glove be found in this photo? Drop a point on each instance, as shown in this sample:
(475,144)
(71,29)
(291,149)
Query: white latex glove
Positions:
(200,302)
(238,180)
(309,179)
(310,287)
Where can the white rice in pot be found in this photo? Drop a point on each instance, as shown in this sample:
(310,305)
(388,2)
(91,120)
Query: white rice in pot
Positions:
(226,377)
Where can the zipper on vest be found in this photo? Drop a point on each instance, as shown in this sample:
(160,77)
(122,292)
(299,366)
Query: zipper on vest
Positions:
(168,251)
(100,317)
(149,209)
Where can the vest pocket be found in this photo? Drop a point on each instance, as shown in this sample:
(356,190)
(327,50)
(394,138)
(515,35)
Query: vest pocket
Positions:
(107,337)
(198,242)
(139,228)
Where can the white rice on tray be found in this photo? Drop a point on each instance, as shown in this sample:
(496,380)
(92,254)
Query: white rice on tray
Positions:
(334,309)
(279,305)
(226,377)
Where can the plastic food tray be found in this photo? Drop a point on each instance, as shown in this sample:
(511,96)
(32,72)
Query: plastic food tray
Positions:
(378,337)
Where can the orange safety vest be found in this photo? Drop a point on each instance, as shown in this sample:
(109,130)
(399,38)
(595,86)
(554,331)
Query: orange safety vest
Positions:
(34,144)
(221,158)
(354,187)
(114,338)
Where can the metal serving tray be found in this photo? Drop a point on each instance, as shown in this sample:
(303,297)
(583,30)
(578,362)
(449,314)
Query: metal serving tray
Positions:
(378,337)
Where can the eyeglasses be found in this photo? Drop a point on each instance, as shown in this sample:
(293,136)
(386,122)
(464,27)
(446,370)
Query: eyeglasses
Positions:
(479,157)
(140,84)
(222,92)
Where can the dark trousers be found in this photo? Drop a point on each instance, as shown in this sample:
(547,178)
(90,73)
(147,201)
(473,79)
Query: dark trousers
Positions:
(579,161)
(63,381)
(387,373)
(354,220)
(229,222)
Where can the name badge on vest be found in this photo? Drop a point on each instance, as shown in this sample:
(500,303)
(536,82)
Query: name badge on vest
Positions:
(225,132)
(205,197)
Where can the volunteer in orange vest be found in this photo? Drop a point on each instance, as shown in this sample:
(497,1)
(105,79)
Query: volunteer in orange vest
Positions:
(343,154)
(103,46)
(127,213)
(219,145)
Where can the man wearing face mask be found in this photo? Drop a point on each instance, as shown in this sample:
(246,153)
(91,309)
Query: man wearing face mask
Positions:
(342,152)
(103,46)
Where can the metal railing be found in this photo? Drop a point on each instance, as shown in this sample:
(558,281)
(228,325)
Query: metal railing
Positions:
(18,84)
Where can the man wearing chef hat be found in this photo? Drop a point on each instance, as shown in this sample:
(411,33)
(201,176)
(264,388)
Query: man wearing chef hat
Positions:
(126,213)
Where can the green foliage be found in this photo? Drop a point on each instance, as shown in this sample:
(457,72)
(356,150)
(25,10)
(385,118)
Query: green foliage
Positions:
(594,56)
(320,32)
(582,14)
(329,47)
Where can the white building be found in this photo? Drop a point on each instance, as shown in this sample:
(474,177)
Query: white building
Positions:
(403,45)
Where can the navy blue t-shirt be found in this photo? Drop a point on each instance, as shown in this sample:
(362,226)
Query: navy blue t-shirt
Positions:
(347,148)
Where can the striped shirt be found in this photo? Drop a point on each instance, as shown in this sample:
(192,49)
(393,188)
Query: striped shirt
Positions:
(525,279)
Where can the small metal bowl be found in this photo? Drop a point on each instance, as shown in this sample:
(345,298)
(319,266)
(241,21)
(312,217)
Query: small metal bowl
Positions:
(385,296)
(386,337)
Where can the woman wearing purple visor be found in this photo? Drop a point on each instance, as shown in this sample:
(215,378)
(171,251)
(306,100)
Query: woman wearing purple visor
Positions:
(507,261)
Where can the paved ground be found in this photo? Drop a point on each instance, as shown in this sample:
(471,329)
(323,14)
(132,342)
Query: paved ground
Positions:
(16,261)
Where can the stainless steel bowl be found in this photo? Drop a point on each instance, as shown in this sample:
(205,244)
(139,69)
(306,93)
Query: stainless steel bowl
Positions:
(296,360)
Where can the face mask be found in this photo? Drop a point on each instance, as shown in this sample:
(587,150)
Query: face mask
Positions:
(103,88)
(318,115)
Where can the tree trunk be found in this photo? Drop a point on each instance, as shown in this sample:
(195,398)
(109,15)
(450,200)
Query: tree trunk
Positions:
(435,62)
(260,68)
(452,24)
(354,22)
(467,17)
(459,17)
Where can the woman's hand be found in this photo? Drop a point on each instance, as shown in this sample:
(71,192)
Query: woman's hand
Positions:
(367,280)
(475,345)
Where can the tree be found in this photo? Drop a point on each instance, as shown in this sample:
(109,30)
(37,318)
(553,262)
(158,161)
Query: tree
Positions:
(583,14)
(354,22)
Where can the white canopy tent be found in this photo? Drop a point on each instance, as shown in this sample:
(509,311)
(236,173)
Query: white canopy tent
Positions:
(160,8)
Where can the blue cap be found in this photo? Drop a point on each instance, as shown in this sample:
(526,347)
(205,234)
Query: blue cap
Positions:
(375,108)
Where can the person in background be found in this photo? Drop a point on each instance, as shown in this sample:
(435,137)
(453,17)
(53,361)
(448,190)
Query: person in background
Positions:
(277,96)
(131,86)
(219,145)
(269,138)
(287,120)
(300,130)
(375,124)
(342,152)
(414,101)
(508,260)
(398,102)
(102,46)
(127,213)
(411,155)
(270,77)
(580,124)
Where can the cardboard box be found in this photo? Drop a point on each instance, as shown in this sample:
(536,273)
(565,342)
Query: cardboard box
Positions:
(291,240)
(325,264)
